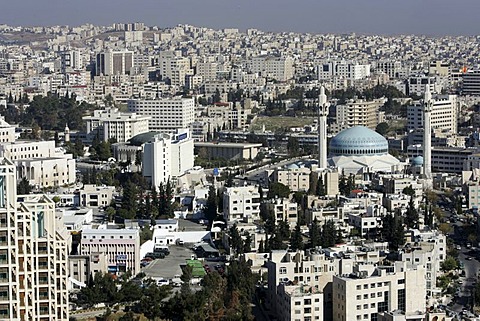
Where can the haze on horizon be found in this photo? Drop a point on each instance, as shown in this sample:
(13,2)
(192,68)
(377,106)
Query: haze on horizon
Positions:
(426,17)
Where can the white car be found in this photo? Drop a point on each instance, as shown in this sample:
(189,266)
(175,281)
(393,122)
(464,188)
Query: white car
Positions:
(162,282)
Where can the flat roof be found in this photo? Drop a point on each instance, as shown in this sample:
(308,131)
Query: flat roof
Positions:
(226,144)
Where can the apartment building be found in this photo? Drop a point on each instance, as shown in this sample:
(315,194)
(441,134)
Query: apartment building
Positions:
(304,303)
(359,112)
(374,290)
(443,115)
(342,69)
(121,246)
(81,267)
(473,197)
(174,69)
(33,254)
(284,210)
(471,82)
(297,178)
(278,68)
(241,203)
(418,85)
(166,114)
(7,131)
(96,196)
(110,123)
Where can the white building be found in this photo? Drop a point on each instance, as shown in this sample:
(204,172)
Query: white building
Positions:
(443,115)
(279,68)
(33,254)
(166,114)
(284,210)
(167,156)
(378,290)
(174,69)
(7,131)
(111,123)
(297,178)
(40,162)
(359,112)
(121,246)
(343,70)
(240,203)
(418,84)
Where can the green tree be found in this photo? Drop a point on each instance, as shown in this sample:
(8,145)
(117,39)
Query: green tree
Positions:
(312,190)
(315,234)
(382,128)
(449,264)
(236,241)
(129,200)
(296,239)
(278,190)
(293,147)
(211,206)
(23,187)
(320,190)
(411,217)
(409,191)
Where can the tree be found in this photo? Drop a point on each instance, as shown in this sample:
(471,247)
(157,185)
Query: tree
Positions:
(393,231)
(329,233)
(411,217)
(211,206)
(129,200)
(408,191)
(293,147)
(320,190)
(312,190)
(296,239)
(23,187)
(449,264)
(236,242)
(278,190)
(284,229)
(382,128)
(315,234)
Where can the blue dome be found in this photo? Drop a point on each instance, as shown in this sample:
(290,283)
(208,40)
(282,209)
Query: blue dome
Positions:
(359,141)
(417,161)
(293,166)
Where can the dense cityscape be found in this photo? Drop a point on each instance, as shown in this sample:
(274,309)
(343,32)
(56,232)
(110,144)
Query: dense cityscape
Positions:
(187,173)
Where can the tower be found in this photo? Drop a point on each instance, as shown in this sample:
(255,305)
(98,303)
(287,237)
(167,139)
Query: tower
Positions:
(67,134)
(427,134)
(322,128)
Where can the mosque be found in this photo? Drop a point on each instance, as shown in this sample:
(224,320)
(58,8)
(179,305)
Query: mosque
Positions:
(361,151)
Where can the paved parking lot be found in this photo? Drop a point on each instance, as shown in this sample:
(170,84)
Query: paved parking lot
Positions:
(168,267)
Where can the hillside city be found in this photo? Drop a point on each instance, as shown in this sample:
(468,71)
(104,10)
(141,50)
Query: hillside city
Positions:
(187,173)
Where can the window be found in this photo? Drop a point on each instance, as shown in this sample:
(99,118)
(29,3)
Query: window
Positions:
(283,270)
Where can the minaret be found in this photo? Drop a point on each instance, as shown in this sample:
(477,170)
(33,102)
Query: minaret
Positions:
(66,134)
(322,128)
(427,134)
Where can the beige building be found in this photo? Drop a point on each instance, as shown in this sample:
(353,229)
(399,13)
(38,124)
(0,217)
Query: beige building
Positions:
(381,289)
(81,267)
(228,151)
(111,123)
(33,254)
(240,203)
(121,246)
(284,209)
(359,112)
(96,196)
(297,178)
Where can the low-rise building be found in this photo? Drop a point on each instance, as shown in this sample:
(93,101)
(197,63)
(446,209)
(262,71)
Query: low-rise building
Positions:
(295,177)
(241,203)
(121,246)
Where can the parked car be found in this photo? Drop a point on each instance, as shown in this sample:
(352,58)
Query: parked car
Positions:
(162,282)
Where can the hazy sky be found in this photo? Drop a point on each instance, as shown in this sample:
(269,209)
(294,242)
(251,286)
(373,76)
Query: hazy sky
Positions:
(430,17)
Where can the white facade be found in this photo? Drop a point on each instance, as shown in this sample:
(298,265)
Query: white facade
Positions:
(443,115)
(388,289)
(279,68)
(40,162)
(7,131)
(174,69)
(121,246)
(111,123)
(156,159)
(342,70)
(33,255)
(241,203)
(167,156)
(359,112)
(167,114)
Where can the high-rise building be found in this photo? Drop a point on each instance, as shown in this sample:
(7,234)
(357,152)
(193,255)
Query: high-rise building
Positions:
(167,156)
(110,63)
(359,112)
(167,114)
(278,68)
(443,115)
(471,83)
(33,254)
